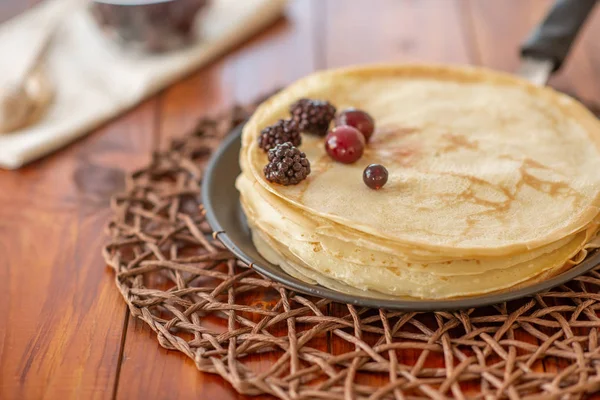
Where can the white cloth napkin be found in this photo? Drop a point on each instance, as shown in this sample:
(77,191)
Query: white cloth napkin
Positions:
(95,80)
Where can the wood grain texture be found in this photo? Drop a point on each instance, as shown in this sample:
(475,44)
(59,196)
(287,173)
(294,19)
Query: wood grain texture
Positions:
(499,27)
(392,31)
(63,321)
(512,21)
(364,31)
(274,58)
(64,330)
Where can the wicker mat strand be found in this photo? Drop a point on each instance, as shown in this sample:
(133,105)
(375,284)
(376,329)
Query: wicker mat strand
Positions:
(203,302)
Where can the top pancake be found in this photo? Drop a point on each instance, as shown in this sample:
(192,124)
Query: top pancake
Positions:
(480,163)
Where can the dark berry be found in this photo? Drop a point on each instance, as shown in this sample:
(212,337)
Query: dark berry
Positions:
(287,165)
(375,176)
(313,116)
(345,144)
(281,132)
(358,119)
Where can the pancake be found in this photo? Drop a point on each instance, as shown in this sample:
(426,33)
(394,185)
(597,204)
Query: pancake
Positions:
(492,185)
(397,283)
(312,261)
(266,217)
(474,158)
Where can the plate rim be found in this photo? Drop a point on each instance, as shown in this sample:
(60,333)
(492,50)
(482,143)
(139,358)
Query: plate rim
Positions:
(276,274)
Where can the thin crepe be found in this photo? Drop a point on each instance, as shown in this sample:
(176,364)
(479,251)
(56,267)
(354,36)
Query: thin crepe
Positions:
(492,185)
(302,261)
(481,163)
(263,214)
(307,257)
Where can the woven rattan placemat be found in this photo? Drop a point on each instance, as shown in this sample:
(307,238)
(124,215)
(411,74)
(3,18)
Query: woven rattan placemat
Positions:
(203,302)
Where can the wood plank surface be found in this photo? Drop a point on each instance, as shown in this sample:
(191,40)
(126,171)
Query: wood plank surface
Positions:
(62,318)
(364,31)
(499,27)
(64,329)
(579,76)
(392,31)
(278,56)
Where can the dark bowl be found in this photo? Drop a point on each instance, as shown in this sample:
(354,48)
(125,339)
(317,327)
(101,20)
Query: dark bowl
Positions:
(152,26)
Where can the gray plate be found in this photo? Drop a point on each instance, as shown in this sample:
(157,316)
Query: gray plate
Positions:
(222,203)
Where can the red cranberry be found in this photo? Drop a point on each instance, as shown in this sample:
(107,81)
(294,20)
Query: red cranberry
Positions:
(345,144)
(375,176)
(358,119)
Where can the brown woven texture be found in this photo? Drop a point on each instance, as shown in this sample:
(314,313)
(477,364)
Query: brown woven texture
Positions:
(203,302)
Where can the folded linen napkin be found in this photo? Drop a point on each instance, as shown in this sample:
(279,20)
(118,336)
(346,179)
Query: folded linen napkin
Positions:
(95,80)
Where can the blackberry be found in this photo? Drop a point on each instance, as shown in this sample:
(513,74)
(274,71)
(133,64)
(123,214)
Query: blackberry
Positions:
(281,132)
(313,116)
(287,165)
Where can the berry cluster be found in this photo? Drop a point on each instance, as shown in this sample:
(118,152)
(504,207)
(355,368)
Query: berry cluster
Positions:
(283,131)
(345,143)
(313,116)
(310,116)
(287,165)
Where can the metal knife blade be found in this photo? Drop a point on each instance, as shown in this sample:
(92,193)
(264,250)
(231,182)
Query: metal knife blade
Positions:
(536,70)
(549,43)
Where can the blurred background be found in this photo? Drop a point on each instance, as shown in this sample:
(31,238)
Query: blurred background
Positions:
(111,91)
(88,62)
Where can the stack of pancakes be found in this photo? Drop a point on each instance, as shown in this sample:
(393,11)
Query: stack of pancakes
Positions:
(493,183)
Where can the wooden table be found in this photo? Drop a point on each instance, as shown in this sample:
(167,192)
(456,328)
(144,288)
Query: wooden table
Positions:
(64,329)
